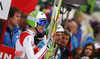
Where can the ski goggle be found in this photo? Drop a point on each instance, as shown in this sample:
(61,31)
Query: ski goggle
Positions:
(42,22)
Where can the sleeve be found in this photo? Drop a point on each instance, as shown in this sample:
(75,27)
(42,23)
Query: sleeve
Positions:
(6,41)
(75,42)
(41,44)
(29,49)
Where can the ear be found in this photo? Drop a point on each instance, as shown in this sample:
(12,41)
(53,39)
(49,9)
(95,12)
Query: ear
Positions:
(37,25)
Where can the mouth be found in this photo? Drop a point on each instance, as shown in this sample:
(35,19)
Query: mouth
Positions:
(62,43)
(18,22)
(41,28)
(87,53)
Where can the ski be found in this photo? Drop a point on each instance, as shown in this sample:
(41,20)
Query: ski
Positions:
(52,28)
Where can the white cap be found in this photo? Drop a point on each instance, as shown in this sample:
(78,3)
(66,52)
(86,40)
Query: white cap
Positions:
(59,28)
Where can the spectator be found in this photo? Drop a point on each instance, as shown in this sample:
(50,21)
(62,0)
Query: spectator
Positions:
(12,31)
(76,53)
(94,23)
(73,26)
(89,50)
(78,17)
(89,34)
(97,55)
(65,45)
(23,22)
(96,39)
(58,37)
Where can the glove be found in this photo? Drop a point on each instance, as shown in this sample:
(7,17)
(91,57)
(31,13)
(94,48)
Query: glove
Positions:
(48,42)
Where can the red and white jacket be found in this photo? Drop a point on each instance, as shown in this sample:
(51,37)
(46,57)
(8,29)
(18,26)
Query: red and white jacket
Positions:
(26,49)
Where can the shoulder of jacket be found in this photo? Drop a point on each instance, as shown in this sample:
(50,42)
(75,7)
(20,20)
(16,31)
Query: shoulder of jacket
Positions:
(22,37)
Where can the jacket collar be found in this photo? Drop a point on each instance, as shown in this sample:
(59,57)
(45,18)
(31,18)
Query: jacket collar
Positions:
(15,29)
(30,31)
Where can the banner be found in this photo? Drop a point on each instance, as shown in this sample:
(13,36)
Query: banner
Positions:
(4,8)
(3,26)
(6,52)
(26,6)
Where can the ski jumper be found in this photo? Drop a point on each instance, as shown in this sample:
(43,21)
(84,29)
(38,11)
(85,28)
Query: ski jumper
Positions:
(25,47)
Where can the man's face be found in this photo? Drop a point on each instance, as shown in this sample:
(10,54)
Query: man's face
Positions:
(79,19)
(58,37)
(40,28)
(41,24)
(74,27)
(14,21)
(64,40)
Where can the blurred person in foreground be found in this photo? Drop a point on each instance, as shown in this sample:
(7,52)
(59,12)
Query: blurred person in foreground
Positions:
(65,44)
(12,31)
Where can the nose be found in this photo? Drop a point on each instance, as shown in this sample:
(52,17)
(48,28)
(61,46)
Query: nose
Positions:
(43,26)
(87,50)
(60,37)
(19,18)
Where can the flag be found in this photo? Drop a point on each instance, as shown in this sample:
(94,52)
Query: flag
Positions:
(26,6)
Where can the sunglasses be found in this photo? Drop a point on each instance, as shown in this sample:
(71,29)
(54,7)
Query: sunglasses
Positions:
(42,22)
